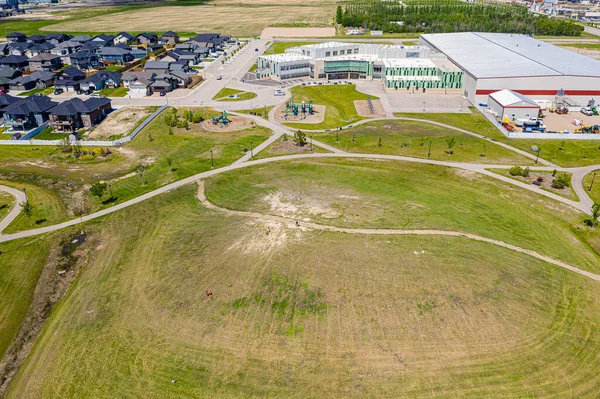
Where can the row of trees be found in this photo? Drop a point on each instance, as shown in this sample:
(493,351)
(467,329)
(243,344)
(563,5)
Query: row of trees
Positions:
(452,16)
(171,118)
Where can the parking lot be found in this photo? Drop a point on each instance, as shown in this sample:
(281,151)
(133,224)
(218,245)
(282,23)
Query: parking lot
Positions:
(558,123)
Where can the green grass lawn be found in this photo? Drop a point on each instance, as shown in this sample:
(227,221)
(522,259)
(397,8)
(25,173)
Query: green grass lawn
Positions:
(7,201)
(49,134)
(225,92)
(567,153)
(588,46)
(243,97)
(594,193)
(339,103)
(405,195)
(263,112)
(48,207)
(20,267)
(114,92)
(302,311)
(253,68)
(280,47)
(413,139)
(113,68)
(43,91)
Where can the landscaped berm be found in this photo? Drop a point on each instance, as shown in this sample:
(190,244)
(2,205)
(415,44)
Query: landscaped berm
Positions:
(317,278)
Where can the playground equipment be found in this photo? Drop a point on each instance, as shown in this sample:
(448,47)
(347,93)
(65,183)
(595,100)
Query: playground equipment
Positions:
(223,119)
(296,109)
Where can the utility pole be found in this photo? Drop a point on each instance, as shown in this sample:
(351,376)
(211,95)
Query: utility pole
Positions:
(592,183)
(429,152)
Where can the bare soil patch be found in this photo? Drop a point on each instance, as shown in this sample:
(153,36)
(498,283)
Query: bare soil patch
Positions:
(237,123)
(121,122)
(282,117)
(271,32)
(362,108)
(557,123)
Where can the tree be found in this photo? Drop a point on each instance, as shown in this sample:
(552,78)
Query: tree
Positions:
(450,142)
(595,213)
(27,208)
(562,180)
(98,190)
(379,142)
(300,138)
(339,15)
(198,117)
(185,124)
(140,170)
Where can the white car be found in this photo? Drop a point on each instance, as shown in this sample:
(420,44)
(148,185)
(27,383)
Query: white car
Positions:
(587,111)
(279,92)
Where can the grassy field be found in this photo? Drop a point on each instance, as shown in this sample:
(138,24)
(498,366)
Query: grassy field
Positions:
(20,266)
(286,146)
(43,91)
(49,134)
(595,192)
(48,207)
(300,313)
(238,19)
(412,139)
(164,158)
(7,201)
(263,112)
(382,194)
(567,153)
(114,92)
(338,100)
(280,47)
(588,46)
(224,93)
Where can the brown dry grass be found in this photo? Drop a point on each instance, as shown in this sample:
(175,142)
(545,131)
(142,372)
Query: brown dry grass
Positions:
(362,108)
(236,19)
(121,122)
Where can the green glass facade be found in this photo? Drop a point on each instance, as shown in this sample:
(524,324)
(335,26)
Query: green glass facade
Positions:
(445,80)
(364,68)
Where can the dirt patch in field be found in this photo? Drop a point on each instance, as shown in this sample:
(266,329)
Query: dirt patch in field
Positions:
(294,204)
(121,122)
(282,116)
(363,109)
(237,123)
(271,32)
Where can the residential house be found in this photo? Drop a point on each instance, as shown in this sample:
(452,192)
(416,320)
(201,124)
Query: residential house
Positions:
(138,53)
(146,39)
(81,38)
(103,37)
(45,62)
(164,83)
(15,62)
(124,46)
(189,57)
(125,38)
(157,66)
(72,73)
(115,55)
(140,87)
(169,38)
(138,82)
(84,59)
(36,39)
(95,45)
(56,38)
(65,49)
(75,114)
(5,101)
(28,113)
(100,80)
(6,75)
(16,37)
(4,49)
(154,48)
(36,80)
(21,48)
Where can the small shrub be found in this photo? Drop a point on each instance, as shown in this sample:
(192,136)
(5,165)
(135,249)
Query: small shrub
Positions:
(554,173)
(561,181)
(379,143)
(540,179)
(516,171)
(525,172)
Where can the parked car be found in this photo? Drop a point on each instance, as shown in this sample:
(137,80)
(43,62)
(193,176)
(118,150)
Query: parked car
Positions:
(219,77)
(89,92)
(96,95)
(58,91)
(256,49)
(278,92)
(149,92)
(587,111)
(80,92)
(234,96)
(163,93)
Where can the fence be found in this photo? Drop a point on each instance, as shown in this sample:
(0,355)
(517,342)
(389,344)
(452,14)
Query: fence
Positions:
(85,143)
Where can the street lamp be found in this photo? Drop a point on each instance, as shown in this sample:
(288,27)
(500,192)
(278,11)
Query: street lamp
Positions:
(429,151)
(251,153)
(538,155)
(212,161)
(592,183)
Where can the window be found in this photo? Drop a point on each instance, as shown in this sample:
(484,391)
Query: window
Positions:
(327,53)
(335,53)
(342,52)
(355,50)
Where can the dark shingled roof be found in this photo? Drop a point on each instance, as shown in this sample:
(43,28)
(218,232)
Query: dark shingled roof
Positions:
(77,105)
(31,104)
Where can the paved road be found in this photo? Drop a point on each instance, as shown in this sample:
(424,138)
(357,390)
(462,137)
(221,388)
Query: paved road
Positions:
(316,226)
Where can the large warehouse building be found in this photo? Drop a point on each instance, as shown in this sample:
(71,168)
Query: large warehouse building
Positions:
(496,61)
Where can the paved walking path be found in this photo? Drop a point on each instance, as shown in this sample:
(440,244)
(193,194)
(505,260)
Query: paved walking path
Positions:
(291,222)
(20,197)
